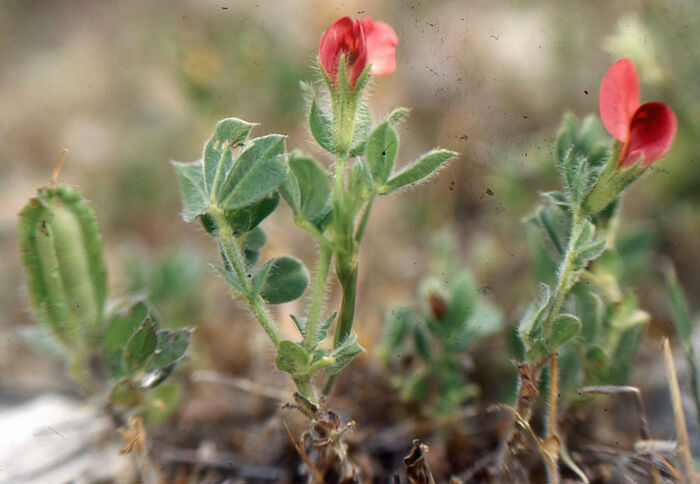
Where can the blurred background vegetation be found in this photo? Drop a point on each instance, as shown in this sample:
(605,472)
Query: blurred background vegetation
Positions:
(128,86)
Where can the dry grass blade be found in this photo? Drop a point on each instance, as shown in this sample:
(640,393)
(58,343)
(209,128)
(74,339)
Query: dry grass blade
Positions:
(683,450)
(242,384)
(635,466)
(135,442)
(304,456)
(57,170)
(655,447)
(643,421)
(548,448)
(644,429)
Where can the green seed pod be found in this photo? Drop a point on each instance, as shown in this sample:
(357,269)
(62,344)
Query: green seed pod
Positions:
(61,250)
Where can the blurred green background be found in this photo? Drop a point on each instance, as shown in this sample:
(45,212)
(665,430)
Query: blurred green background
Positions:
(128,86)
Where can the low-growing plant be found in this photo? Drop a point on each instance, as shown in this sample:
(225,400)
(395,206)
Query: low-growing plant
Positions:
(426,345)
(578,224)
(117,352)
(584,327)
(120,347)
(239,181)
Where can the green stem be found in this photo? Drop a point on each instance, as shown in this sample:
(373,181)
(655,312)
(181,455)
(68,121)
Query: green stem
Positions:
(347,306)
(324,262)
(305,388)
(564,282)
(348,283)
(233,254)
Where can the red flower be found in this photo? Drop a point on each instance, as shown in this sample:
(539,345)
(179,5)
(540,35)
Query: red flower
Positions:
(646,131)
(363,42)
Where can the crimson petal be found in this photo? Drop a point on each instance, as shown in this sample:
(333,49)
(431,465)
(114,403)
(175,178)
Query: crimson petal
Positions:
(651,132)
(338,39)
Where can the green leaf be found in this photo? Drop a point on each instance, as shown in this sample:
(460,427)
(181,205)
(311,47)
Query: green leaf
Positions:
(61,251)
(360,186)
(363,126)
(576,175)
(170,347)
(120,328)
(300,323)
(258,170)
(596,356)
(343,354)
(592,140)
(609,263)
(260,276)
(244,219)
(417,387)
(322,330)
(251,243)
(590,308)
(533,317)
(140,347)
(627,314)
(588,253)
(320,123)
(558,199)
(290,192)
(582,153)
(382,146)
(397,115)
(543,219)
(586,248)
(192,188)
(218,151)
(399,322)
(610,183)
(679,308)
(231,278)
(566,137)
(486,319)
(421,339)
(563,328)
(461,304)
(286,280)
(314,188)
(422,168)
(538,351)
(292,358)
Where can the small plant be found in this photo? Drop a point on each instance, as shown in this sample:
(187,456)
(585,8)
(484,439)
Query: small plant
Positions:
(240,180)
(426,346)
(594,177)
(117,353)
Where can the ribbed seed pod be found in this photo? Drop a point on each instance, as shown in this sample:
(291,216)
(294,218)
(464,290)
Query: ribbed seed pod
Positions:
(61,250)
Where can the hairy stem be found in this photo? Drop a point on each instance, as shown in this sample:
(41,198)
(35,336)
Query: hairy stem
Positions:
(553,395)
(347,306)
(233,254)
(564,282)
(348,283)
(324,261)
